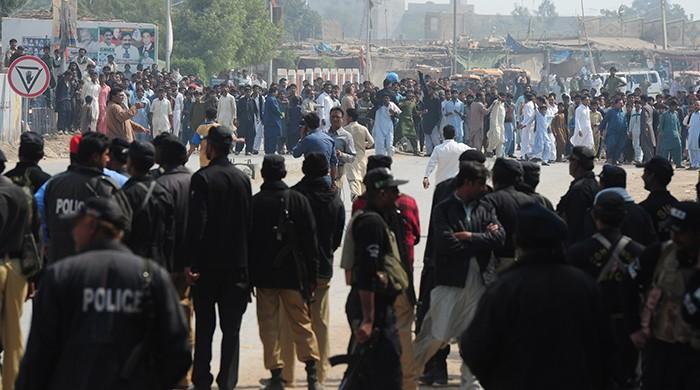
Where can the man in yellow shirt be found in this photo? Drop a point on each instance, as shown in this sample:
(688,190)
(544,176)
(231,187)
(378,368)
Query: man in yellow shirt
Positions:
(199,140)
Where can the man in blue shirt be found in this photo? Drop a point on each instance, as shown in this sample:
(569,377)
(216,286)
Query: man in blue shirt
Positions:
(615,126)
(315,140)
(141,116)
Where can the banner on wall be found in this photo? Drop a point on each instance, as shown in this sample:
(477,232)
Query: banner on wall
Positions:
(128,43)
(10,112)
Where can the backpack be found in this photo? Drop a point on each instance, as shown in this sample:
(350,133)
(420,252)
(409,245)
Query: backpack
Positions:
(150,220)
(391,274)
(97,186)
(31,261)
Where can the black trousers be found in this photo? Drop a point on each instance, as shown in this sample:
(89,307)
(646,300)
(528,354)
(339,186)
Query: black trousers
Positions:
(65,115)
(626,355)
(669,366)
(247,131)
(378,362)
(222,290)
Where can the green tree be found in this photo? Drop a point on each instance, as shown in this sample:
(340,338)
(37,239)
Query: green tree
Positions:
(547,9)
(520,11)
(647,9)
(225,33)
(300,21)
(9,6)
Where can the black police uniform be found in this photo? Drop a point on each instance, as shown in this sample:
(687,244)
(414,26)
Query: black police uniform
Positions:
(152,227)
(379,366)
(65,194)
(658,205)
(90,314)
(506,202)
(621,293)
(329,215)
(14,212)
(218,227)
(269,267)
(574,205)
(176,182)
(542,323)
(28,173)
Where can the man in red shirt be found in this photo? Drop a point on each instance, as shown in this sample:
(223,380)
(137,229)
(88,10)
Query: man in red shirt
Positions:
(407,230)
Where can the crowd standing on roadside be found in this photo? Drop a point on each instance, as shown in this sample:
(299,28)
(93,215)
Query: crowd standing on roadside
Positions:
(592,291)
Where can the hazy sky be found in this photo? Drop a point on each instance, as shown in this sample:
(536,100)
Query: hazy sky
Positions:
(564,7)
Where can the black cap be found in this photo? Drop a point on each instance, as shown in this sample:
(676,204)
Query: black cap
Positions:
(538,226)
(684,216)
(2,157)
(171,146)
(32,140)
(583,153)
(609,200)
(273,164)
(119,148)
(472,155)
(613,176)
(220,135)
(531,173)
(315,165)
(659,166)
(378,161)
(381,178)
(142,151)
(509,167)
(104,209)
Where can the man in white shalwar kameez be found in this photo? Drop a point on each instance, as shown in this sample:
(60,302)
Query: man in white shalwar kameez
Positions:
(583,132)
(527,132)
(177,113)
(324,103)
(383,130)
(497,125)
(693,134)
(226,111)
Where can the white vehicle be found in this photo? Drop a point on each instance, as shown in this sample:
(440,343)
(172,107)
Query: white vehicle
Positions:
(634,79)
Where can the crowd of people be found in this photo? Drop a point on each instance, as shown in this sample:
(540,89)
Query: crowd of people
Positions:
(597,292)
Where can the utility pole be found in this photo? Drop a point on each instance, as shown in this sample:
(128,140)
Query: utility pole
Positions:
(588,42)
(368,54)
(269,70)
(454,37)
(663,23)
(168,33)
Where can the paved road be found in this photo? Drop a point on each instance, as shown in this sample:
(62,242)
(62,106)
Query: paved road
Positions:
(555,181)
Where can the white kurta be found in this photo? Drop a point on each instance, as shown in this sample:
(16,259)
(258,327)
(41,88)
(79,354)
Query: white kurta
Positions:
(496,131)
(324,105)
(694,132)
(445,160)
(93,90)
(161,110)
(527,133)
(583,132)
(177,114)
(226,111)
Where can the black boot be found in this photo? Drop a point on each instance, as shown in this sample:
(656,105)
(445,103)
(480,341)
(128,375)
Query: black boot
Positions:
(276,382)
(311,377)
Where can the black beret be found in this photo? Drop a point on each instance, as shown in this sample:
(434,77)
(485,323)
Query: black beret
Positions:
(538,226)
(472,155)
(583,153)
(508,166)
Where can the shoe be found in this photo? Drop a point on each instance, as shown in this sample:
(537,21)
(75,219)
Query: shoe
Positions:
(312,377)
(545,164)
(255,152)
(276,382)
(247,153)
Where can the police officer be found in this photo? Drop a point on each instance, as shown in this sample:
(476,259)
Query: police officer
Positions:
(329,215)
(637,224)
(66,192)
(218,226)
(27,171)
(369,308)
(152,227)
(16,216)
(542,323)
(284,265)
(105,318)
(612,258)
(506,200)
(672,351)
(574,205)
(657,176)
(531,179)
(174,177)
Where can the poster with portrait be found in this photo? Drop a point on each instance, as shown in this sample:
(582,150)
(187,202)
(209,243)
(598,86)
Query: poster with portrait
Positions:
(88,40)
(128,45)
(34,45)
